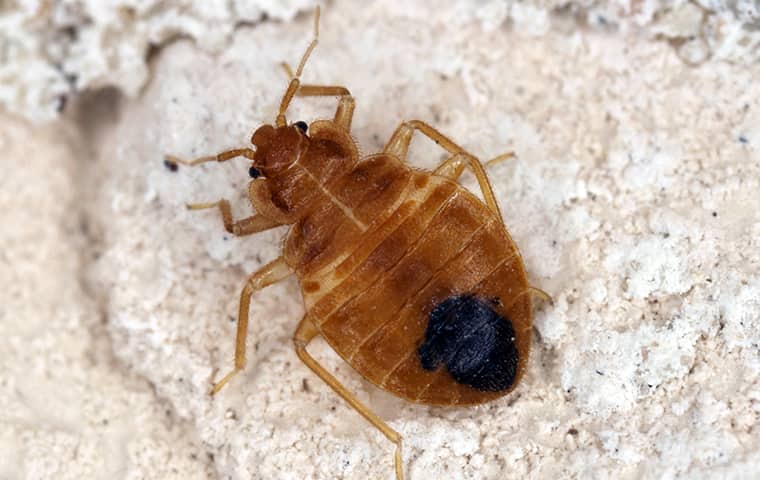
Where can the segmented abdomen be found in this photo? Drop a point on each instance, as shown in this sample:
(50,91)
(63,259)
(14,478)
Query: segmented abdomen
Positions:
(372,301)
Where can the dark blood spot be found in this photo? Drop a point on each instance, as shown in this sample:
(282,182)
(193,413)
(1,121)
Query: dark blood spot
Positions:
(476,344)
(302,126)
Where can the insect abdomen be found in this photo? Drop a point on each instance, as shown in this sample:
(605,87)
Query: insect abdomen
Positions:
(487,267)
(376,316)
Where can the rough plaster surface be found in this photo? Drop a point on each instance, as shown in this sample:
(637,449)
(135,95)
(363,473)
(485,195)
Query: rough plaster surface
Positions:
(68,410)
(633,200)
(51,50)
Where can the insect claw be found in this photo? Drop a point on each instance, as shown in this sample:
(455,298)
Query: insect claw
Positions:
(221,383)
(537,292)
(500,158)
(288,70)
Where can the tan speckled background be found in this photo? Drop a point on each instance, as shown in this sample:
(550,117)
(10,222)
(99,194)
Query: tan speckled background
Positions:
(633,200)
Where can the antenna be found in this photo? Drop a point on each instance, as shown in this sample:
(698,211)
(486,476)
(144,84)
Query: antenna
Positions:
(295,81)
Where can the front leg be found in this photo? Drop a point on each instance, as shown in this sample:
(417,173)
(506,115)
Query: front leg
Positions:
(247,226)
(346,104)
(253,224)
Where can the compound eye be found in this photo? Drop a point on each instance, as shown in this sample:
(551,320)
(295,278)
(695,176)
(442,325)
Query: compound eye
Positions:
(254,172)
(301,126)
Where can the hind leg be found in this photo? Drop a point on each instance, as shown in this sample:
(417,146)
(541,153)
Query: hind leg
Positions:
(305,332)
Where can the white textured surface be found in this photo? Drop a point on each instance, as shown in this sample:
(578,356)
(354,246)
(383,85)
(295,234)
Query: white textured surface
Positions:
(633,200)
(68,410)
(51,50)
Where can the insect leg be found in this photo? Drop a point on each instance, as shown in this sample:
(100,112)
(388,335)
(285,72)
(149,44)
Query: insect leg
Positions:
(454,166)
(246,226)
(398,145)
(307,331)
(346,103)
(535,291)
(271,273)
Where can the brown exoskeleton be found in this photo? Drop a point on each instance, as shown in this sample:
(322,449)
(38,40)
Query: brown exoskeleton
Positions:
(411,278)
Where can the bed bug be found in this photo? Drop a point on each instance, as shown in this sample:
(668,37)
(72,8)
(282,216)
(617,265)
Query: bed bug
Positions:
(409,277)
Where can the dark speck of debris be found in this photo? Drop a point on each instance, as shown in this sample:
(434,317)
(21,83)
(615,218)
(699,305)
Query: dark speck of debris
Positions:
(715,214)
(599,373)
(171,166)
(573,431)
(71,79)
(225,238)
(743,139)
(305,386)
(61,102)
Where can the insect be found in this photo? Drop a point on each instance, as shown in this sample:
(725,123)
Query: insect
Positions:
(411,279)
